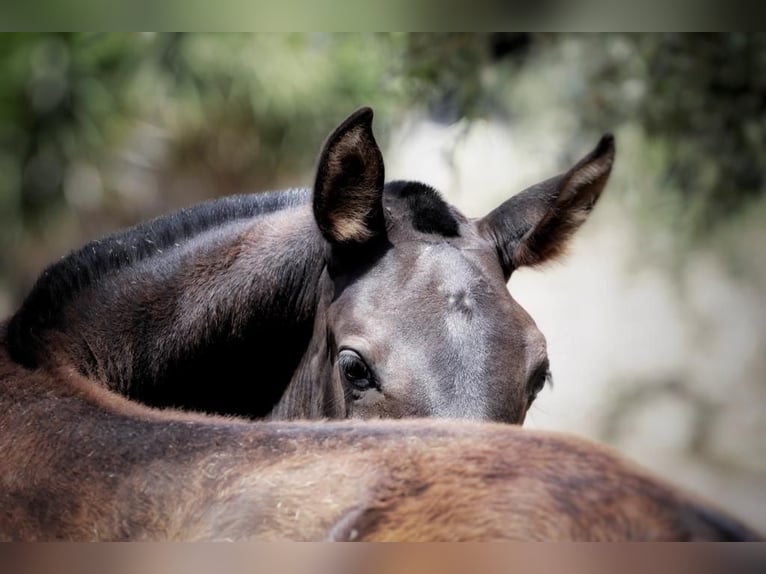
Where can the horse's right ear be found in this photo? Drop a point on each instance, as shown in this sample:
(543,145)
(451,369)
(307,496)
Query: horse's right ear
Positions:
(348,191)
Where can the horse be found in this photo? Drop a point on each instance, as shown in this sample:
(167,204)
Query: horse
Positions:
(353,299)
(82,463)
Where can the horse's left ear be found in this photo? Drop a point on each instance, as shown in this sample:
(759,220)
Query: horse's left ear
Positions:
(348,191)
(536,224)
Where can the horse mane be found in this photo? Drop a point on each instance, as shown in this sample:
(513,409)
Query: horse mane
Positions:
(61,281)
(75,272)
(426,208)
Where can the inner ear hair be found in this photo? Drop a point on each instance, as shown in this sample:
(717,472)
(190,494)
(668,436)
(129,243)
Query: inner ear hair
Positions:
(352,209)
(535,225)
(349,184)
(575,193)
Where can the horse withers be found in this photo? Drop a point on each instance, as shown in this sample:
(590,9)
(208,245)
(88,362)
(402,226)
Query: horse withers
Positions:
(356,298)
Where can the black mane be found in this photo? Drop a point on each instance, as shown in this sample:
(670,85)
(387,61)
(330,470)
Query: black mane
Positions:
(75,272)
(429,213)
(81,268)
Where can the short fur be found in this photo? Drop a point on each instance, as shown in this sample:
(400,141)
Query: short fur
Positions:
(63,280)
(174,311)
(83,464)
(241,306)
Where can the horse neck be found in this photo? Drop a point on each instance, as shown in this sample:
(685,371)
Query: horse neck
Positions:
(312,392)
(181,328)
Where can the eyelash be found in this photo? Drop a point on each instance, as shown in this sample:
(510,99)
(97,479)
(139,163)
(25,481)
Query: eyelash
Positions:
(346,359)
(541,379)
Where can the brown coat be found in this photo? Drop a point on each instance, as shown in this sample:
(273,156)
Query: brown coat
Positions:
(81,463)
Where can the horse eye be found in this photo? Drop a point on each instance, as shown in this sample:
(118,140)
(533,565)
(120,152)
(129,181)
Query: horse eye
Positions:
(355,370)
(536,384)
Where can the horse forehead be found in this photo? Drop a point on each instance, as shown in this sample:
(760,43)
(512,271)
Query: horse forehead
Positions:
(420,282)
(446,271)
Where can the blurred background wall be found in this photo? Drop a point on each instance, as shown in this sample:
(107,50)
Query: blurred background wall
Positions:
(656,322)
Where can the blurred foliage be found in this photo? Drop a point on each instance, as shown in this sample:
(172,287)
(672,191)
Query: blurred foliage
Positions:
(93,126)
(450,73)
(703,97)
(66,99)
(57,101)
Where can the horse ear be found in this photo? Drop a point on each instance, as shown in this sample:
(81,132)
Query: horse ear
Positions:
(536,224)
(348,191)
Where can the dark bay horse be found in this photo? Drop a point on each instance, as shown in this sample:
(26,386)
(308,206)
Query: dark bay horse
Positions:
(353,299)
(382,290)
(79,462)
